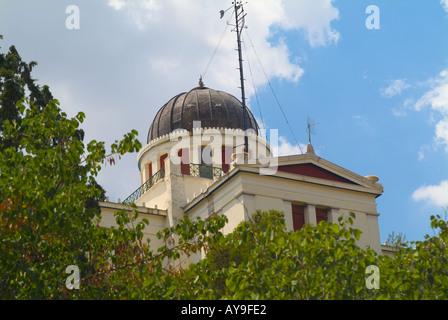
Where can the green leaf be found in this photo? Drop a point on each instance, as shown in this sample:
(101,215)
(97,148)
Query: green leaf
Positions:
(357,233)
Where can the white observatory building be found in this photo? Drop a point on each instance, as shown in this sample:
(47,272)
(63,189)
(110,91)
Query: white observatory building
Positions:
(205,155)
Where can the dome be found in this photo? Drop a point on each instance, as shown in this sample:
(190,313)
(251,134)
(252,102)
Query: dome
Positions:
(215,109)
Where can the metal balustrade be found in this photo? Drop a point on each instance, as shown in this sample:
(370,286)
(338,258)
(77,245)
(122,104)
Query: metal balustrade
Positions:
(159,175)
(206,171)
(194,170)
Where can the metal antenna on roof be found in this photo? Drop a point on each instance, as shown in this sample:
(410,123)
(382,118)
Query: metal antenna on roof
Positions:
(240,16)
(310,128)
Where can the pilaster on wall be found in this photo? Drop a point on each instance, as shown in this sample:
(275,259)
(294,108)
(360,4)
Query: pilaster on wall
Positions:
(333,215)
(374,233)
(248,202)
(310,214)
(176,192)
(287,209)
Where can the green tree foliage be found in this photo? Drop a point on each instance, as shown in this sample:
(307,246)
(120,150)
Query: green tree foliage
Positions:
(396,240)
(418,271)
(16,83)
(262,260)
(48,216)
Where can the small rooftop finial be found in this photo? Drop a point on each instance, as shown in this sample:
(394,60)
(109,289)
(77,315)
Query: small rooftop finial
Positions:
(201,83)
(310,149)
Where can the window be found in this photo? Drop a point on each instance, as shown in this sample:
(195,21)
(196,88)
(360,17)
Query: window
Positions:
(149,171)
(206,168)
(184,156)
(321,215)
(298,217)
(226,158)
(162,161)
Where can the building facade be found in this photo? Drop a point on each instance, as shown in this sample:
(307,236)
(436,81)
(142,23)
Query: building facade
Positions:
(198,163)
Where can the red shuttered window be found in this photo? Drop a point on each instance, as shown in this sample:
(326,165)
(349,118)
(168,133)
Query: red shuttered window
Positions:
(321,215)
(162,161)
(226,158)
(184,156)
(298,217)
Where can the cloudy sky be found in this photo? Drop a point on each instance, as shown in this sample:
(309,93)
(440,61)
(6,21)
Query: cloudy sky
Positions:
(376,81)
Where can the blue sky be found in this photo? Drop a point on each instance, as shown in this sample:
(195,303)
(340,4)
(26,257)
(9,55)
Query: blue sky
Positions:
(380,96)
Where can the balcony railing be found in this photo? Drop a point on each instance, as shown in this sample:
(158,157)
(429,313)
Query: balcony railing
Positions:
(204,171)
(194,170)
(159,175)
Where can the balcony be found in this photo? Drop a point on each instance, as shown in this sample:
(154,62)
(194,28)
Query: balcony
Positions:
(192,170)
(159,175)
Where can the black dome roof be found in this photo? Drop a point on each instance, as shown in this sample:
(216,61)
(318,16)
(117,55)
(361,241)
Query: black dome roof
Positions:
(215,109)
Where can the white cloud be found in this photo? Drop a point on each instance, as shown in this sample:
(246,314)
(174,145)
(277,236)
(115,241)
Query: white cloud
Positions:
(141,12)
(436,195)
(313,16)
(421,155)
(423,150)
(399,112)
(395,88)
(442,131)
(117,4)
(402,111)
(186,33)
(444,4)
(285,148)
(437,99)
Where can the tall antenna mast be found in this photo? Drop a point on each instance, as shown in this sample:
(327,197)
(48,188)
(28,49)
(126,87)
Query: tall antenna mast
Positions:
(240,16)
